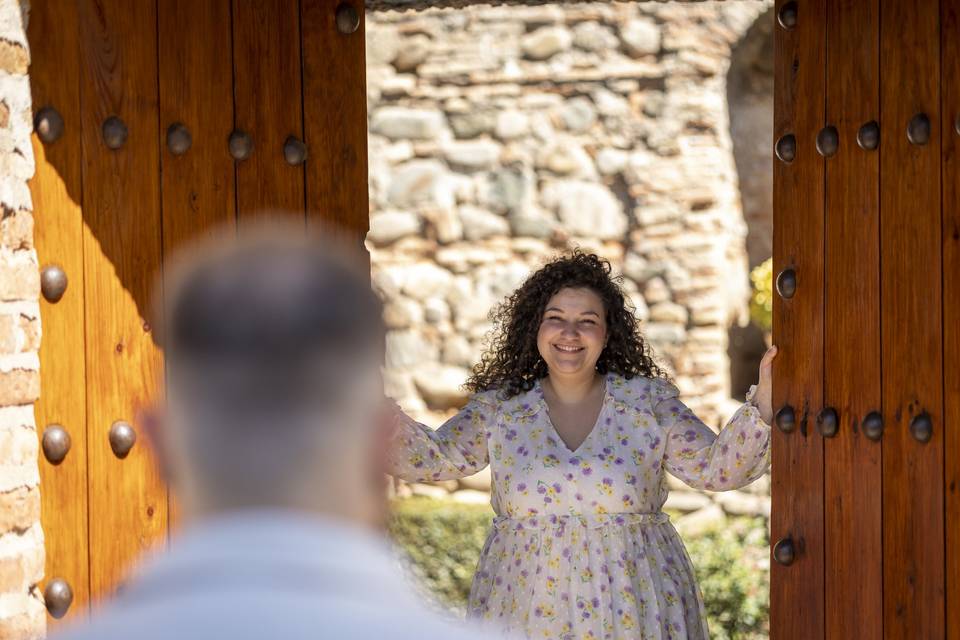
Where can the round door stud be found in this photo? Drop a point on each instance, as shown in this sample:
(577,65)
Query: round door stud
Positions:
(294,151)
(872,426)
(918,129)
(58,596)
(240,145)
(787,283)
(48,123)
(956,124)
(868,137)
(122,438)
(784,552)
(828,423)
(114,132)
(348,19)
(787,148)
(787,16)
(179,139)
(55,443)
(53,282)
(828,140)
(786,419)
(921,427)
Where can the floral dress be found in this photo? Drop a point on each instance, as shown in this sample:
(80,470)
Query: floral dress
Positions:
(580,549)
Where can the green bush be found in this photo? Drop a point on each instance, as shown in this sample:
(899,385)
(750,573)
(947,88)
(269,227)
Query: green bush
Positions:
(443,539)
(761,300)
(732,566)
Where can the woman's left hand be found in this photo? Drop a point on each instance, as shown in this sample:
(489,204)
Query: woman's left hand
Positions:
(764,393)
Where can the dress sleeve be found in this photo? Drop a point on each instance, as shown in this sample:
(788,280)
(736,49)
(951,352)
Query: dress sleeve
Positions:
(735,457)
(456,450)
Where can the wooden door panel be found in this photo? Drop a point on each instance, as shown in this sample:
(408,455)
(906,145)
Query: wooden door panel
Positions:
(853,475)
(196,90)
(58,236)
(796,591)
(195,64)
(122,248)
(268,104)
(950,137)
(335,121)
(912,379)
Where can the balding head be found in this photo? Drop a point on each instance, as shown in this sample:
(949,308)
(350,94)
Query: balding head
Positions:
(273,347)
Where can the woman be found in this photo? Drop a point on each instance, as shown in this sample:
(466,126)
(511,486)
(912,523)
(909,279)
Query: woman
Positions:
(579,424)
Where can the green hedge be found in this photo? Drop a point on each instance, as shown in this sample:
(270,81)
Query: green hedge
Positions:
(732,565)
(443,540)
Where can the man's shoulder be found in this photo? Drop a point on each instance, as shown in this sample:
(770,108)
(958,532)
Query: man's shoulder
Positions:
(290,619)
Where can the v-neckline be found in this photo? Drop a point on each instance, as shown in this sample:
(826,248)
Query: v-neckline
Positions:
(596,425)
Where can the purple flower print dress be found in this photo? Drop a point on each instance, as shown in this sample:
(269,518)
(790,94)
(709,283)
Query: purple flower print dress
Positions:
(580,549)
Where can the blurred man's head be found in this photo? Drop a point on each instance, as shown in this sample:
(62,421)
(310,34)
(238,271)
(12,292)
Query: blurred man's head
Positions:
(273,345)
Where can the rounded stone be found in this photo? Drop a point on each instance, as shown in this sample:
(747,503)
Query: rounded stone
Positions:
(640,37)
(546,42)
(389,226)
(578,114)
(404,122)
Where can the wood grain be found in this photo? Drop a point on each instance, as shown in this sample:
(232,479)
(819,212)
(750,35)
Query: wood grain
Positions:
(196,89)
(335,122)
(913,528)
(122,249)
(58,236)
(853,481)
(796,596)
(950,137)
(195,62)
(268,104)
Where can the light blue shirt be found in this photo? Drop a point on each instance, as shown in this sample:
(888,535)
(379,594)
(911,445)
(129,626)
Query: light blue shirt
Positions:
(275,575)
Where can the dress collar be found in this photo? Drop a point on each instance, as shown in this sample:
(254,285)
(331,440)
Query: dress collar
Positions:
(532,402)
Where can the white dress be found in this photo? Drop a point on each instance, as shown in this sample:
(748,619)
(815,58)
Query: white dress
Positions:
(579,547)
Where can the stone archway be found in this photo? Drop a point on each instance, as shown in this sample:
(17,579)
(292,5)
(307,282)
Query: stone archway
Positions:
(750,104)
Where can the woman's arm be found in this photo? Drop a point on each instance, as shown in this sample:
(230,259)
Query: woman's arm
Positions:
(457,449)
(737,456)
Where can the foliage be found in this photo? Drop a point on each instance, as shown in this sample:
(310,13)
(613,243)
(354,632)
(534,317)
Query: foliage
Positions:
(732,566)
(761,300)
(442,540)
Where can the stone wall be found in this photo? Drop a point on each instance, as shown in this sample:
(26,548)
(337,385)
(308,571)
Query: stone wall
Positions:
(502,136)
(22,615)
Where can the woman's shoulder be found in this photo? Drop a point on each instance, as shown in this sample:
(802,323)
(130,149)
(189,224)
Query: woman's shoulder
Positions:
(641,391)
(488,398)
(498,400)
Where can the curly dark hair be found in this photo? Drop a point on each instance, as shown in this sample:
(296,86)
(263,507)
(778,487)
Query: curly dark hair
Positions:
(512,362)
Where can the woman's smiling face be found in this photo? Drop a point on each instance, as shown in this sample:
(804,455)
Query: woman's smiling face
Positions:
(573,331)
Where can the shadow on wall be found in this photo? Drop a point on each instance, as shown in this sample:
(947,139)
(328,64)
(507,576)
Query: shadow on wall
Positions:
(750,105)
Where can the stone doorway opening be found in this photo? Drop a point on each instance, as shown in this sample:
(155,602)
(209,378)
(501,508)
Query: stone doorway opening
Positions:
(500,137)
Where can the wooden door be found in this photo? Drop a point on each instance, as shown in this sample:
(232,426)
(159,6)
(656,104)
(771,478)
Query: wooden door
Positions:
(178,117)
(867,252)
